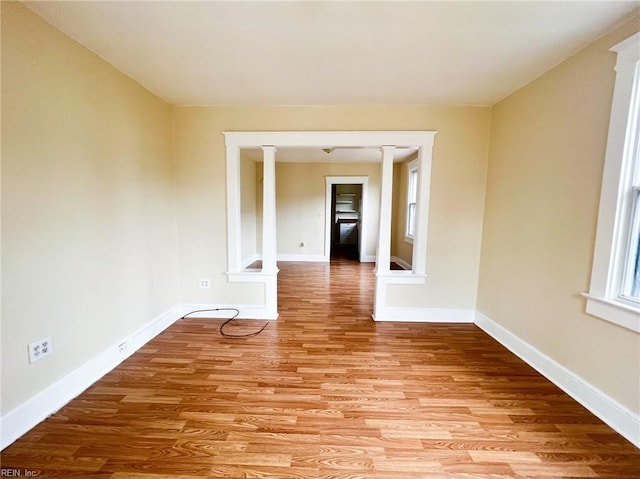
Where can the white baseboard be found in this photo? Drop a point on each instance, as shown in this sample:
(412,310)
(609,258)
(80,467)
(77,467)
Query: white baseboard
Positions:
(20,420)
(425,315)
(619,417)
(402,263)
(311,258)
(26,416)
(209,311)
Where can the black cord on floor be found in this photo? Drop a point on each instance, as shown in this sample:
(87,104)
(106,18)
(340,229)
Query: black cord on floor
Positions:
(226,335)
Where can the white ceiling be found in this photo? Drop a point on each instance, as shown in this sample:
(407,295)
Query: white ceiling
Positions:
(304,53)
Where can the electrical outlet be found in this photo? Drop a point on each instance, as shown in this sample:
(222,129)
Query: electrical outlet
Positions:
(205,283)
(39,349)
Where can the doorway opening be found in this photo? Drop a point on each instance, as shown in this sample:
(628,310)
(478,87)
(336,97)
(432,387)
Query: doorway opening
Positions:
(346,221)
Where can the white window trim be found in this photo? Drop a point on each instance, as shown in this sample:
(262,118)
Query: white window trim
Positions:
(603,299)
(411,166)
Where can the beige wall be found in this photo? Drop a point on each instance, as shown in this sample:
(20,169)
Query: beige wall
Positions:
(458,181)
(249,208)
(545,169)
(300,204)
(88,216)
(399,246)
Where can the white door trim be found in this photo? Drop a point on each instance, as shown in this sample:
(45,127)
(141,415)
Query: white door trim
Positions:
(346,180)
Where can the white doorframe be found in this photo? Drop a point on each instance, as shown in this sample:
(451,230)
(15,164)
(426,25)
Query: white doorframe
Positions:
(422,140)
(344,180)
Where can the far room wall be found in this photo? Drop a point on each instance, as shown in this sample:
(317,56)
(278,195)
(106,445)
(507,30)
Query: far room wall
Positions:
(300,195)
(300,204)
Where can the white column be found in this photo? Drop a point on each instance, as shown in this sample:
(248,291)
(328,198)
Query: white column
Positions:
(383,255)
(234,248)
(269,264)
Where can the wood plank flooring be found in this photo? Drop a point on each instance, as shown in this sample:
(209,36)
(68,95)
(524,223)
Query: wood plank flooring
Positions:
(324,392)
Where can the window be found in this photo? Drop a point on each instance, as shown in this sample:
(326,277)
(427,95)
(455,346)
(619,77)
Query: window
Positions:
(614,293)
(412,200)
(631,272)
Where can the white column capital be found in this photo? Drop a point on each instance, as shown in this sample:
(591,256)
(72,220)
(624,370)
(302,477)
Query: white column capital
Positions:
(268,148)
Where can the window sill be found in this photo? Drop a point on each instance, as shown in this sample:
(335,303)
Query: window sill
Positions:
(408,239)
(616,312)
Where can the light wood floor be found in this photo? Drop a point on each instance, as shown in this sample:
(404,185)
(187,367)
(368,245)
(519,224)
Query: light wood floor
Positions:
(324,392)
